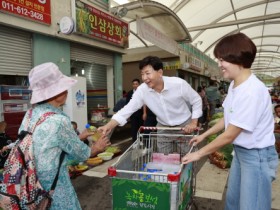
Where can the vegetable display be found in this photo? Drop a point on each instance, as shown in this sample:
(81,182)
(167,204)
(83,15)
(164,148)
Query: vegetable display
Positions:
(223,157)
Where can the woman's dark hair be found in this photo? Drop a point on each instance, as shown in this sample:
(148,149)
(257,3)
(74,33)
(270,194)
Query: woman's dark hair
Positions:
(199,89)
(237,49)
(154,61)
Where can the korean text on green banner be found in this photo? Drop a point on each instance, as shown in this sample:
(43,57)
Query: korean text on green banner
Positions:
(141,195)
(100,25)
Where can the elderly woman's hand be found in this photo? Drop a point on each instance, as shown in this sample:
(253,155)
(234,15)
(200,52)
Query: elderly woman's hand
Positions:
(85,133)
(5,148)
(100,145)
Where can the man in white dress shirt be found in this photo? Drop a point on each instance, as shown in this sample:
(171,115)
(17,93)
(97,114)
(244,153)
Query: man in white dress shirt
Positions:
(171,99)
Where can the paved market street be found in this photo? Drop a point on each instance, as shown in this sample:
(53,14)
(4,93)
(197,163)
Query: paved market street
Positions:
(95,193)
(94,187)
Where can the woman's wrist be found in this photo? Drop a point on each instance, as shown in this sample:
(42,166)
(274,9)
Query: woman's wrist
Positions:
(95,150)
(80,137)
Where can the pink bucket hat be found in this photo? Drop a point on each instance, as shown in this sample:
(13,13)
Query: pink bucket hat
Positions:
(47,81)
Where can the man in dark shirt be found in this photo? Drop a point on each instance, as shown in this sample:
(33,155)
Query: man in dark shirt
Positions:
(136,120)
(120,103)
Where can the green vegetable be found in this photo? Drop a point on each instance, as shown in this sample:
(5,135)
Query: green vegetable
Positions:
(213,122)
(211,138)
(105,154)
(112,149)
(218,115)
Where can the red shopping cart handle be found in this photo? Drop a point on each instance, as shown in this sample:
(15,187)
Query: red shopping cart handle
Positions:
(112,171)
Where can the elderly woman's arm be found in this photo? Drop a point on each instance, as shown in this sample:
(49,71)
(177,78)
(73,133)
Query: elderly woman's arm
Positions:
(100,145)
(72,145)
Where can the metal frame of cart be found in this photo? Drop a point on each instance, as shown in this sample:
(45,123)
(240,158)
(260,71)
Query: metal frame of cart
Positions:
(133,187)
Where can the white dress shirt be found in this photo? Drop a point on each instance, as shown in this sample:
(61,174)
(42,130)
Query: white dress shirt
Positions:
(171,106)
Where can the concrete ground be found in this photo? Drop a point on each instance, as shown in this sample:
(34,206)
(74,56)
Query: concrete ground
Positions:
(94,187)
(95,193)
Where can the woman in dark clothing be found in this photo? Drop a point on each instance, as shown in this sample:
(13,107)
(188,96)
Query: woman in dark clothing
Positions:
(5,140)
(205,106)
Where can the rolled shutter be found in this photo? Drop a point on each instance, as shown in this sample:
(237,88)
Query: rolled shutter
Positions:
(15,51)
(97,86)
(95,62)
(90,54)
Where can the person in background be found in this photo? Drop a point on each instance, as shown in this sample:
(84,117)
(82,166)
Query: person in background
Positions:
(5,144)
(277,128)
(205,106)
(277,114)
(136,120)
(247,124)
(213,97)
(167,97)
(56,134)
(120,103)
(150,120)
(222,95)
(75,127)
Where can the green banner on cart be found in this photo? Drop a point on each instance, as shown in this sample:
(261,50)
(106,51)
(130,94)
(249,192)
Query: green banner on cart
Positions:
(142,195)
(186,187)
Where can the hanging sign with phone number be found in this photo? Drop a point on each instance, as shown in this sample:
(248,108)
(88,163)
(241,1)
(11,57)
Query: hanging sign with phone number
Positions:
(37,10)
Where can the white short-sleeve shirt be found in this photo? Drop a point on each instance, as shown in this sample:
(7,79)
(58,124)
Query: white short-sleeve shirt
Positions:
(248,106)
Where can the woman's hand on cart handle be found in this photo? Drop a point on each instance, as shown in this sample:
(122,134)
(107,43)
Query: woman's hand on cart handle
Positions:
(196,140)
(191,157)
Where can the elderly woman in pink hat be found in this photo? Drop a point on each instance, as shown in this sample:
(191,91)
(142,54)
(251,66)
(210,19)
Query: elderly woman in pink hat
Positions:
(56,134)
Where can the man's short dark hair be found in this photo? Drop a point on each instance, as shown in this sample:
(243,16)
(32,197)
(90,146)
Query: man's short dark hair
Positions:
(136,80)
(237,49)
(154,61)
(276,107)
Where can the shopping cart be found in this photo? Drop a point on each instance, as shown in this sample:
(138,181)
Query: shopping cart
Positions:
(149,174)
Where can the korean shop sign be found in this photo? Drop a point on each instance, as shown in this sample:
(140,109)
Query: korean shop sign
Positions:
(151,34)
(100,25)
(37,10)
(141,195)
(172,65)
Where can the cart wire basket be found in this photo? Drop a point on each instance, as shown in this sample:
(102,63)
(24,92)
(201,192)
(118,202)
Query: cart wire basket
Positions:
(150,175)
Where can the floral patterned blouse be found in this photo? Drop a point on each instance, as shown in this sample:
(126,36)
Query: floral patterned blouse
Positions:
(50,138)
